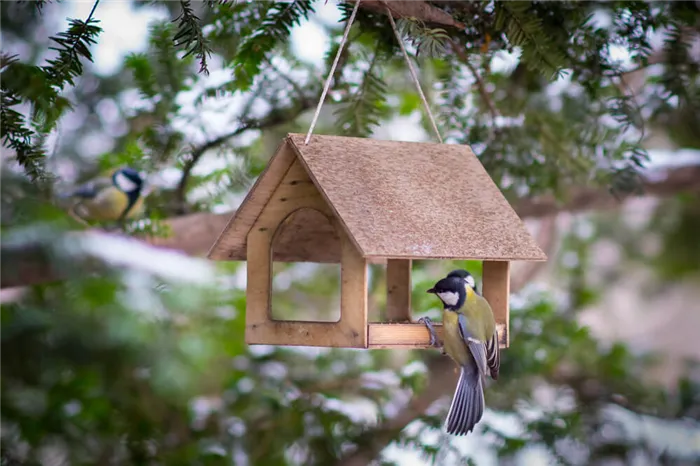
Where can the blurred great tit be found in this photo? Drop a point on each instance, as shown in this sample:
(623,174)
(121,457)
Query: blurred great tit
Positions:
(471,340)
(113,198)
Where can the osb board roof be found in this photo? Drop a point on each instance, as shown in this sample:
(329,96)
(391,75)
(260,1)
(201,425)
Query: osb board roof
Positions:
(407,200)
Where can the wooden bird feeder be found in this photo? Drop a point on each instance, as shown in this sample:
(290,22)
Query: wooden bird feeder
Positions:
(355,201)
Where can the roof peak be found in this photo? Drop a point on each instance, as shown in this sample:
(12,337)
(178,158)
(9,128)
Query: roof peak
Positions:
(396,201)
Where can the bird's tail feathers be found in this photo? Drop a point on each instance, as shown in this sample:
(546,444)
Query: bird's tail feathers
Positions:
(467,406)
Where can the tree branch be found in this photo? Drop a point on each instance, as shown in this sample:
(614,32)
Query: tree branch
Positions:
(194,234)
(423,11)
(635,79)
(661,183)
(464,58)
(273,119)
(303,98)
(189,164)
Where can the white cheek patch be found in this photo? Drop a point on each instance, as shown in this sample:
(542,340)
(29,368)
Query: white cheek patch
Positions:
(449,297)
(470,281)
(124,183)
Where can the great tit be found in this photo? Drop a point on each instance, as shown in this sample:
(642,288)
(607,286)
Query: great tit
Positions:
(113,198)
(471,340)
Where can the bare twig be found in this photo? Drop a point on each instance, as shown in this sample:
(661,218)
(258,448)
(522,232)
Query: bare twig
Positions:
(197,154)
(464,58)
(482,90)
(297,88)
(273,119)
(633,80)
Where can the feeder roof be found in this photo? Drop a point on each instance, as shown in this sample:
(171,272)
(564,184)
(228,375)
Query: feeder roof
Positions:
(405,200)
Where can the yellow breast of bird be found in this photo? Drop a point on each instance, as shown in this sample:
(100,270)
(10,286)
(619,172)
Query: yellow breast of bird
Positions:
(137,209)
(455,346)
(107,205)
(479,315)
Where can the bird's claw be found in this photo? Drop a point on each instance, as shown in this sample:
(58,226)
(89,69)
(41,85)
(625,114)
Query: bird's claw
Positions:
(434,341)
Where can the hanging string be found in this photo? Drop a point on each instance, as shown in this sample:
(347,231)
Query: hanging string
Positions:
(343,41)
(413,74)
(332,72)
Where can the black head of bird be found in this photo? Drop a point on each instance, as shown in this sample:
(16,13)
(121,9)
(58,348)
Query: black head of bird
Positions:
(127,180)
(451,292)
(466,276)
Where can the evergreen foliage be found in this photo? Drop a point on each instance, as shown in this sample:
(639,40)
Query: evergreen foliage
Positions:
(272,31)
(429,42)
(41,88)
(138,358)
(365,109)
(191,36)
(523,28)
(528,26)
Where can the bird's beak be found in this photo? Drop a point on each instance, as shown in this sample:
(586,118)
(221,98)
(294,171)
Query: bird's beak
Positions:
(432,290)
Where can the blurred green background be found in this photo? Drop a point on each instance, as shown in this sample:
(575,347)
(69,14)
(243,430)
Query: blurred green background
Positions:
(117,352)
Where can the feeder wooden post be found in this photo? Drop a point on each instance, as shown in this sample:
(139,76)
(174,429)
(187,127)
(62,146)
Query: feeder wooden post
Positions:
(259,282)
(353,294)
(398,290)
(496,290)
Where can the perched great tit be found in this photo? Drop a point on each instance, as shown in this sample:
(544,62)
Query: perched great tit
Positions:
(112,198)
(471,340)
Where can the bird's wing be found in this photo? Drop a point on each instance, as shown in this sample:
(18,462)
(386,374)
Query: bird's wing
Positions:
(493,350)
(493,355)
(477,347)
(86,191)
(92,189)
